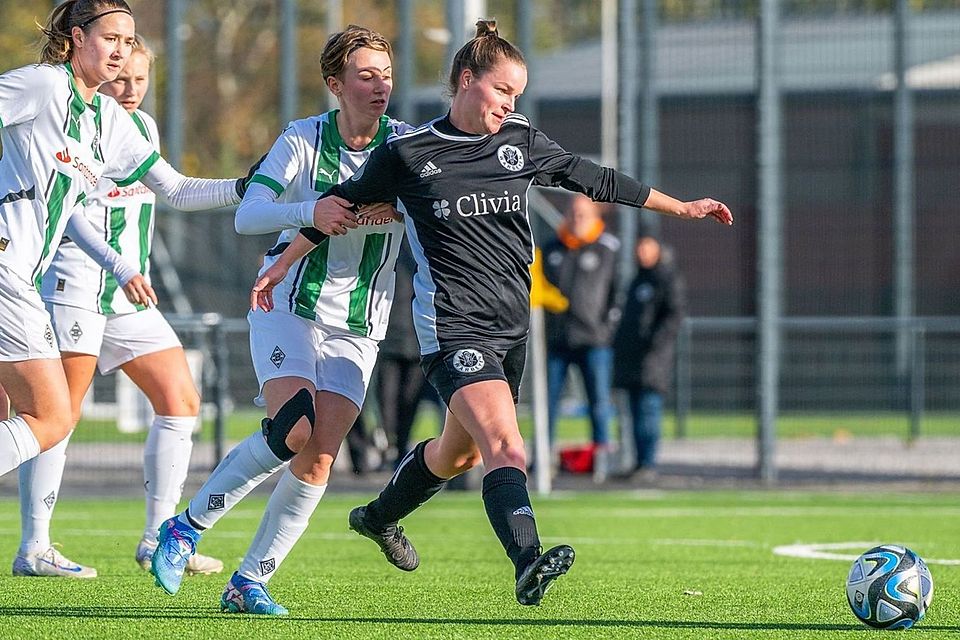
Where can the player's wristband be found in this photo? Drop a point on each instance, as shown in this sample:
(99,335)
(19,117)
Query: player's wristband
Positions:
(313,234)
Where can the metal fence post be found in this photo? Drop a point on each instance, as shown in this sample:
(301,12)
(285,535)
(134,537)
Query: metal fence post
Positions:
(917,374)
(221,386)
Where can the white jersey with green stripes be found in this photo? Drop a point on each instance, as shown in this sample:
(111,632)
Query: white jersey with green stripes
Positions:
(124,217)
(347,281)
(56,149)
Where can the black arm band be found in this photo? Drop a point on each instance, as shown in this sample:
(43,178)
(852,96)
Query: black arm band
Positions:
(604,184)
(628,190)
(313,235)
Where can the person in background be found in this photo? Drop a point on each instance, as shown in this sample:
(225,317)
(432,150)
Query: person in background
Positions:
(644,346)
(581,262)
(398,381)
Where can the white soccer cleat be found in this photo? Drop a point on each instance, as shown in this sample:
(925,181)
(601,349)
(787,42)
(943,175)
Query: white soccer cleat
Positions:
(198,564)
(50,564)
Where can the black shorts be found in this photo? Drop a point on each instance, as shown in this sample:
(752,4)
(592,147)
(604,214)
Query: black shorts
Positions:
(450,369)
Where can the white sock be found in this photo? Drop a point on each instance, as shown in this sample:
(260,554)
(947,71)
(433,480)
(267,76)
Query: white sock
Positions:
(166,461)
(246,466)
(17,444)
(40,480)
(288,513)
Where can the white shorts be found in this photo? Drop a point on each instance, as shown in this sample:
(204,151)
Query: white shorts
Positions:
(335,360)
(25,329)
(114,339)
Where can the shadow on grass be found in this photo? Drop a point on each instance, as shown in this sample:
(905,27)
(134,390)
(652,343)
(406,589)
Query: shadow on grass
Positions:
(168,613)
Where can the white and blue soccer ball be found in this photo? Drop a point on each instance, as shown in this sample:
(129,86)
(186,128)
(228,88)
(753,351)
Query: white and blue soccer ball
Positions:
(889,587)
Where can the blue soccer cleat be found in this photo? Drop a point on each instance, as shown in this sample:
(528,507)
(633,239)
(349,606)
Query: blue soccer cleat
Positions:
(249,596)
(177,542)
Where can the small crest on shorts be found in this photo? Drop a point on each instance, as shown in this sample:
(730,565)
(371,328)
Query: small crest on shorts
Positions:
(267,566)
(468,361)
(277,357)
(510,157)
(48,335)
(76,332)
(215,502)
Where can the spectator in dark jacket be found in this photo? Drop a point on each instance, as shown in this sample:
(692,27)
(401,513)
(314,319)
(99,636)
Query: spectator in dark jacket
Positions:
(644,346)
(399,381)
(582,263)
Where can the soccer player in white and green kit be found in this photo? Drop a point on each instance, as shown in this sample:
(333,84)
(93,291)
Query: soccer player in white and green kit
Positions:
(96,326)
(314,354)
(59,138)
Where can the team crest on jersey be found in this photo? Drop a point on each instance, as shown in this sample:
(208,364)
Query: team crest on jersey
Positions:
(441,209)
(468,361)
(510,157)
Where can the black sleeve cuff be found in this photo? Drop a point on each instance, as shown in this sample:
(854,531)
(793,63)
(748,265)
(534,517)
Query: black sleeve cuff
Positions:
(313,235)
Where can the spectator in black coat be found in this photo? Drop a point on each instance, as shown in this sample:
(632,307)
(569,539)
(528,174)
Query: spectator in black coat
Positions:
(645,343)
(399,381)
(582,263)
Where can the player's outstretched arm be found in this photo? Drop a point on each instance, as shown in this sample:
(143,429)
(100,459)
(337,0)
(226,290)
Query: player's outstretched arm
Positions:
(135,286)
(693,210)
(261,296)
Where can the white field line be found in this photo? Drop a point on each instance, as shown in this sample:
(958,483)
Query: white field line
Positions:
(825,551)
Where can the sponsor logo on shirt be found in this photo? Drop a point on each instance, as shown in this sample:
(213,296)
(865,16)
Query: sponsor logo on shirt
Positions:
(430,169)
(468,361)
(441,209)
(128,192)
(84,170)
(480,204)
(510,157)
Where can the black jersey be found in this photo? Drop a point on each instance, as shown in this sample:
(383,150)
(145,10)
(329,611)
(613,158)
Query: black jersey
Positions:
(465,201)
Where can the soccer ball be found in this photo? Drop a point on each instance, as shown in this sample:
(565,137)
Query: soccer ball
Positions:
(889,587)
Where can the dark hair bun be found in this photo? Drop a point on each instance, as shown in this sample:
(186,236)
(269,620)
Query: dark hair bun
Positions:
(487,28)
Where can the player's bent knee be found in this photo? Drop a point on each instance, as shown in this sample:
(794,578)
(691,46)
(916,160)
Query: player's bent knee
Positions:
(53,430)
(510,454)
(276,430)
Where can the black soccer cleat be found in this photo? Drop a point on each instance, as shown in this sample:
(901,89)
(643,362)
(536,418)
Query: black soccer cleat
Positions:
(395,546)
(540,574)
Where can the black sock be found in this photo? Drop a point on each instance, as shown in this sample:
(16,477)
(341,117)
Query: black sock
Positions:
(508,508)
(411,486)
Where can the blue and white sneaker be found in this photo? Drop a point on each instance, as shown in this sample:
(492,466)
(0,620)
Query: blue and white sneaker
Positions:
(249,596)
(50,564)
(176,543)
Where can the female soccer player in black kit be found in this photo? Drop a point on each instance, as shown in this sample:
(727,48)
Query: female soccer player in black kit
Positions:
(461,180)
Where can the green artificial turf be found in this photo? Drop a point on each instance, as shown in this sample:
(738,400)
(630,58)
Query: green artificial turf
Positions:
(649,565)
